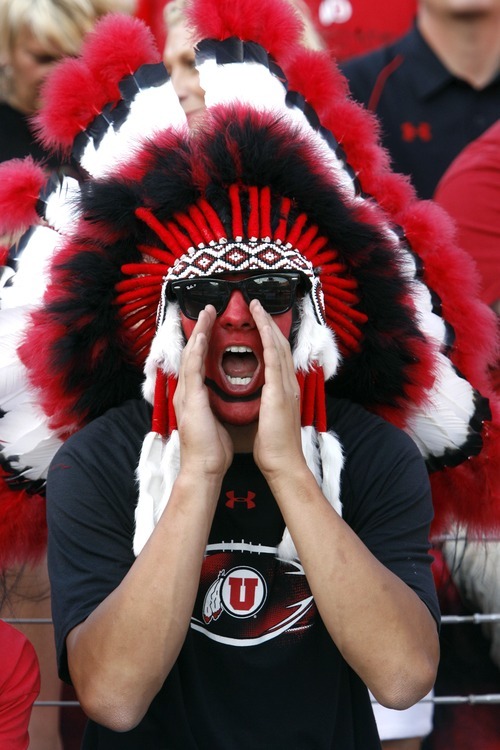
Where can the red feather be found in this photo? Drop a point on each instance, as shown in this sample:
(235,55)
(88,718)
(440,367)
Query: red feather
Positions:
(23,528)
(275,26)
(129,44)
(78,89)
(151,12)
(20,183)
(71,102)
(314,72)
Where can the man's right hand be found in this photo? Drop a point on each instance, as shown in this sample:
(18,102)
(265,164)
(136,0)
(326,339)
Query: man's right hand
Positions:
(205,444)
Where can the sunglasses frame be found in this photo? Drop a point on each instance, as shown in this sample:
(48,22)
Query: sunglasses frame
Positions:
(175,290)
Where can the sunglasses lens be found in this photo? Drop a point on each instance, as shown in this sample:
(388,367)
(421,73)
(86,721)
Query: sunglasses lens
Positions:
(194,295)
(275,293)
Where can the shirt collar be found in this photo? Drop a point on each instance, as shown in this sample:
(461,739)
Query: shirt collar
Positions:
(429,74)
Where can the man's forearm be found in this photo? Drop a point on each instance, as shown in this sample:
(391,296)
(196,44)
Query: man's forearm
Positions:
(120,656)
(382,628)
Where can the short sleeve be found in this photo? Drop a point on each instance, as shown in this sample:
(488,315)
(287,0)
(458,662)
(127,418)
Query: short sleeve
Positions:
(91,497)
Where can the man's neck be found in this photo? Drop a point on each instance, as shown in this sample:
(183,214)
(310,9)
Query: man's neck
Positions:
(243,436)
(467,45)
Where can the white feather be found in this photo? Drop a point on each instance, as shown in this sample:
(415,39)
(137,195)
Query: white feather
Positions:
(153,109)
(315,343)
(246,82)
(332,460)
(29,283)
(443,422)
(61,210)
(35,464)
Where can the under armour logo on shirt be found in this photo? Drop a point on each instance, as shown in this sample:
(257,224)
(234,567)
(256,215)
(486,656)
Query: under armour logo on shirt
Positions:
(233,499)
(410,132)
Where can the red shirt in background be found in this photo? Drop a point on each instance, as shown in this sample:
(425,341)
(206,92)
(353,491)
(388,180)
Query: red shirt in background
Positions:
(19,687)
(351,27)
(470,192)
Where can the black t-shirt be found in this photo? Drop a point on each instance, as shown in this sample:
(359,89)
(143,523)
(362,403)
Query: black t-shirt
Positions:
(427,114)
(258,668)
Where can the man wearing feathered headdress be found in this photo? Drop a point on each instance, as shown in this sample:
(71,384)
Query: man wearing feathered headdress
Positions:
(237,551)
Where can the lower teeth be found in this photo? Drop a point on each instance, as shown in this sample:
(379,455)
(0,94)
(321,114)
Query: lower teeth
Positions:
(238,381)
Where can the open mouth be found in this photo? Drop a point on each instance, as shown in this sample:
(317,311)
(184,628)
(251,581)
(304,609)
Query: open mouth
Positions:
(239,365)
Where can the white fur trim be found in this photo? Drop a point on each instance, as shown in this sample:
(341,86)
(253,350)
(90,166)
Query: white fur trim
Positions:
(286,548)
(310,450)
(156,473)
(315,343)
(249,82)
(443,422)
(332,460)
(166,350)
(150,488)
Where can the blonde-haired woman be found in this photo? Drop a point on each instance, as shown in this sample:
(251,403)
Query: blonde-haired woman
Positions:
(35,34)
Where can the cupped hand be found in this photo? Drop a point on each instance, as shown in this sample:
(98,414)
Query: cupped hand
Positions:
(277,445)
(206,446)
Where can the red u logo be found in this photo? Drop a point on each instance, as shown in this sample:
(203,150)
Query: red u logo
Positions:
(242,593)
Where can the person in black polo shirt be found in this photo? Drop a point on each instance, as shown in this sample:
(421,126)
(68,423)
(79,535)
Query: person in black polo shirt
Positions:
(436,89)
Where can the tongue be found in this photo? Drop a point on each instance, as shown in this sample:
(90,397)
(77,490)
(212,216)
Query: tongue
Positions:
(239,365)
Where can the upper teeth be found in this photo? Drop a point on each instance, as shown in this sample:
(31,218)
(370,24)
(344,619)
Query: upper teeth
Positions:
(239,349)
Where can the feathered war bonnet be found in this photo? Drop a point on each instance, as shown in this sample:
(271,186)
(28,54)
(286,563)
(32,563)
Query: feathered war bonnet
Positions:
(280,171)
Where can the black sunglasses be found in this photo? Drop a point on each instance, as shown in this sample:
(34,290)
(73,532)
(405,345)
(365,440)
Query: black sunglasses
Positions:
(275,291)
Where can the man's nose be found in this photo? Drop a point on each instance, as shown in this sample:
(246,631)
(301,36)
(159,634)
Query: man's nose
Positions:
(237,313)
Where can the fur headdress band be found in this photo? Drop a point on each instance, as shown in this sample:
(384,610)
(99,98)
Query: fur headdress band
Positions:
(282,170)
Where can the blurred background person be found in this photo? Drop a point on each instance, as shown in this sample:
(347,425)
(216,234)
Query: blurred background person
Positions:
(19,683)
(19,687)
(35,34)
(345,27)
(469,190)
(436,89)
(179,58)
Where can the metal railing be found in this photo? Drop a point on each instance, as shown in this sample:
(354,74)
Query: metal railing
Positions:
(472,699)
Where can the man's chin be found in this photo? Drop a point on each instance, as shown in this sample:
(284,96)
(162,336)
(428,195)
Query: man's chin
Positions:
(231,409)
(235,413)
